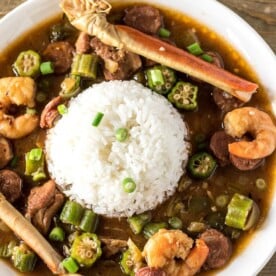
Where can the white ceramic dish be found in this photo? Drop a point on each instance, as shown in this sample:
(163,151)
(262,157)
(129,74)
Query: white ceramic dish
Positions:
(242,37)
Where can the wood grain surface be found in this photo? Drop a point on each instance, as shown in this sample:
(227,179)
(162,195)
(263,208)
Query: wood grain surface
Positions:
(260,14)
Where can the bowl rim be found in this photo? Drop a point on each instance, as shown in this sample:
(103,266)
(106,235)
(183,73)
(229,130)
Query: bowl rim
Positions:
(243,38)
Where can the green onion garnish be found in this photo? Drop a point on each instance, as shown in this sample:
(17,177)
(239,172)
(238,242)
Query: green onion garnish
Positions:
(156,77)
(207,58)
(129,185)
(70,265)
(97,120)
(35,154)
(62,109)
(195,49)
(121,134)
(47,68)
(57,234)
(164,33)
(39,176)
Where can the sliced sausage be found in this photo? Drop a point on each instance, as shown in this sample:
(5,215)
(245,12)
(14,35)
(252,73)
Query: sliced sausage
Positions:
(219,146)
(220,249)
(6,152)
(61,54)
(150,271)
(145,18)
(10,185)
(245,164)
(83,43)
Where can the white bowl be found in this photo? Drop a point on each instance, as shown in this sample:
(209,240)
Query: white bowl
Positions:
(238,33)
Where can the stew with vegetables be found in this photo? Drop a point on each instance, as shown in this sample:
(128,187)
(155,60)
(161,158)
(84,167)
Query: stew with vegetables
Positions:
(220,200)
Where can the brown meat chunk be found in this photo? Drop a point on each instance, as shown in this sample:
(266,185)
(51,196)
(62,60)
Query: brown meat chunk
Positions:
(6,152)
(50,113)
(119,64)
(43,218)
(220,248)
(245,164)
(83,43)
(61,54)
(145,18)
(219,146)
(113,246)
(150,271)
(10,185)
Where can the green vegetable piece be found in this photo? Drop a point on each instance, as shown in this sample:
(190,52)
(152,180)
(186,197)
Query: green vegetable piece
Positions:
(72,213)
(34,164)
(31,111)
(89,221)
(23,258)
(70,265)
(97,119)
(39,176)
(138,222)
(153,227)
(85,65)
(7,249)
(160,79)
(184,96)
(57,234)
(195,49)
(27,64)
(238,211)
(175,223)
(47,68)
(86,249)
(261,184)
(70,87)
(164,33)
(207,58)
(127,263)
(62,109)
(129,186)
(121,134)
(36,154)
(201,165)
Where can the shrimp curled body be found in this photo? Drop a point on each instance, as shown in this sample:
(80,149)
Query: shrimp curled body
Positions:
(258,124)
(19,91)
(173,252)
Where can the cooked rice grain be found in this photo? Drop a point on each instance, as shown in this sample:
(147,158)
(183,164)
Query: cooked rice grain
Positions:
(89,164)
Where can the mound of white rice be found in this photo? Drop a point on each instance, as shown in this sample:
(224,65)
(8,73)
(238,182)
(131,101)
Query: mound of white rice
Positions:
(89,164)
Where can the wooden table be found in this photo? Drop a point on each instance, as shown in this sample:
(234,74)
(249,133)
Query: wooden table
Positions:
(260,14)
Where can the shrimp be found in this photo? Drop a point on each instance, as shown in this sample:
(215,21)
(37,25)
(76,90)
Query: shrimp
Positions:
(89,16)
(17,91)
(173,252)
(255,122)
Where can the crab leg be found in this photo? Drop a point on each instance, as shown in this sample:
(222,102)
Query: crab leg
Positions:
(27,232)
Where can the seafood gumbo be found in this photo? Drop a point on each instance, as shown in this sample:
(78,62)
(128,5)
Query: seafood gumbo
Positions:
(162,87)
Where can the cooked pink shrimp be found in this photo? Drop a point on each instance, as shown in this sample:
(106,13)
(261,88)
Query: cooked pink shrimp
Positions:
(17,91)
(173,252)
(255,122)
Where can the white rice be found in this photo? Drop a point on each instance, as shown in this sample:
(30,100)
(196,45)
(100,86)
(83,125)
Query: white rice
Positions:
(89,164)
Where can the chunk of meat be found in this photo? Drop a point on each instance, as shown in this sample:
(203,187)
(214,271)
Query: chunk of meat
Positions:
(50,113)
(6,152)
(220,249)
(245,164)
(150,271)
(112,246)
(83,43)
(219,146)
(145,18)
(43,218)
(119,64)
(61,54)
(10,185)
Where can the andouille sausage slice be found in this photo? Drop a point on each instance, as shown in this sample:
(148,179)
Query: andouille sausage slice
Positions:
(150,271)
(10,185)
(6,152)
(245,164)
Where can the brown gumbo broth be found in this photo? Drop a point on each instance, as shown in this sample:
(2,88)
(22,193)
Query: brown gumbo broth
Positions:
(195,200)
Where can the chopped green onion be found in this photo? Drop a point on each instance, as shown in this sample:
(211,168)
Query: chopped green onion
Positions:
(39,176)
(62,109)
(261,184)
(23,258)
(97,119)
(129,185)
(72,213)
(175,223)
(207,58)
(137,222)
(57,234)
(47,68)
(7,249)
(41,97)
(222,200)
(121,134)
(195,49)
(85,65)
(164,33)
(30,111)
(156,77)
(36,154)
(34,164)
(153,227)
(70,265)
(89,221)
